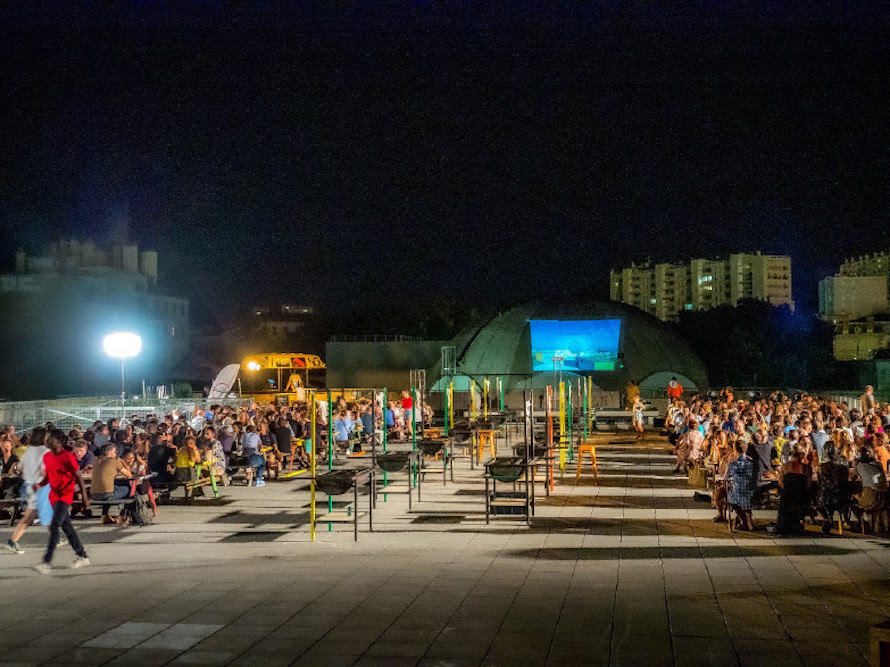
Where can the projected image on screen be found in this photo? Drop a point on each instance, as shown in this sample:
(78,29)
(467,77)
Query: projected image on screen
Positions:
(584,345)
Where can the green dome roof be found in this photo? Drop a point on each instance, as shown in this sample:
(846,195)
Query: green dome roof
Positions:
(650,348)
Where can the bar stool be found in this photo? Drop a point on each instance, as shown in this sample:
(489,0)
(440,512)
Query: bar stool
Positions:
(590,448)
(487,437)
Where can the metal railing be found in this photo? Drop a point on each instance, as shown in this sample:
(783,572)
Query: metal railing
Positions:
(82,412)
(851,398)
(374,339)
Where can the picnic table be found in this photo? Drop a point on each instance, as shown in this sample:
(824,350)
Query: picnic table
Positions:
(132,482)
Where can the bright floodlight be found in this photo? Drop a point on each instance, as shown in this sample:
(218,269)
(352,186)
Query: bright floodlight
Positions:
(253,366)
(122,344)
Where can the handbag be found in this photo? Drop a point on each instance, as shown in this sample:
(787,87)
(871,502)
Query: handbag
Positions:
(44,506)
(697,477)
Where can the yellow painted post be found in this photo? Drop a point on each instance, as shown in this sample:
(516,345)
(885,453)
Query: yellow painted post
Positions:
(485,385)
(562,426)
(451,404)
(314,442)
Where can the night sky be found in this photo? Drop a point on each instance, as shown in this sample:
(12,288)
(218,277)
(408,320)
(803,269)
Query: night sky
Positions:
(352,153)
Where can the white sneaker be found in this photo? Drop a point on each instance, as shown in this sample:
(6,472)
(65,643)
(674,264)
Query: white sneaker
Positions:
(80,561)
(43,568)
(14,547)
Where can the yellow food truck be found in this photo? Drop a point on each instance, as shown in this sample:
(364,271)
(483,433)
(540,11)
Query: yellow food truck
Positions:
(280,377)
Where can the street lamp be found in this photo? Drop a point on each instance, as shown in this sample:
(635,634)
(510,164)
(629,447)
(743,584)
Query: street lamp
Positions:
(557,361)
(122,345)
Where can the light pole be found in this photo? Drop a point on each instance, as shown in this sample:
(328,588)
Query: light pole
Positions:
(122,345)
(557,361)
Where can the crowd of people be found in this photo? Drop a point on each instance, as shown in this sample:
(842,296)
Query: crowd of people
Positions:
(122,459)
(824,457)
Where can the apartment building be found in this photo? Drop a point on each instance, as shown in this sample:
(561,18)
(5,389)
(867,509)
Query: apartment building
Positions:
(664,290)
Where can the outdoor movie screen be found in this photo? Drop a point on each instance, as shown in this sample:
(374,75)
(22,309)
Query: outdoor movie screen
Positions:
(584,345)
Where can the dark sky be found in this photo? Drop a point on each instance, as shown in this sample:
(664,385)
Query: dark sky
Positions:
(355,153)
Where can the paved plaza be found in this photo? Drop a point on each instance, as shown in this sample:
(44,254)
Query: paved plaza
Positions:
(629,572)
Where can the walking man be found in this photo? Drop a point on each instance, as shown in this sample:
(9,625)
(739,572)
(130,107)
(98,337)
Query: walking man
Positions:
(62,472)
(33,474)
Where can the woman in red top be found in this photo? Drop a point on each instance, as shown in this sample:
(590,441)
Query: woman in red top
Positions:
(408,411)
(62,472)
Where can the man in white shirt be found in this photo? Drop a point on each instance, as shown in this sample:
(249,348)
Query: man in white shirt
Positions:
(33,473)
(198,419)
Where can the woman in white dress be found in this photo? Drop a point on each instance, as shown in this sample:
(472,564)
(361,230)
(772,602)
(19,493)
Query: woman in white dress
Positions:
(638,417)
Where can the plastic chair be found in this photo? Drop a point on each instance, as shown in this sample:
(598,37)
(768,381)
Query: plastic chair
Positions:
(590,448)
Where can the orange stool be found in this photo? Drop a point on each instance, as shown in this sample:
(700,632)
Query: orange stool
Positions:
(488,437)
(590,448)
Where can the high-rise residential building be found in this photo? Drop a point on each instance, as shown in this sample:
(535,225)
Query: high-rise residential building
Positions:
(666,289)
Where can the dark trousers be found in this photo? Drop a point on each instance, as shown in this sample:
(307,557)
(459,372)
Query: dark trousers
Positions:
(61,519)
(120,492)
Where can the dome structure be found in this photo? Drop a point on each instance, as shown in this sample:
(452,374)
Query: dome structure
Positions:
(611,342)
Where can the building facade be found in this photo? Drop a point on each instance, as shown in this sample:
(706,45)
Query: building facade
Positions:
(876,264)
(843,298)
(56,308)
(282,320)
(861,339)
(664,290)
(857,302)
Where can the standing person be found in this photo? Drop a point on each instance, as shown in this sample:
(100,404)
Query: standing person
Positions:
(61,475)
(408,412)
(343,428)
(868,400)
(741,485)
(33,473)
(674,390)
(632,392)
(638,417)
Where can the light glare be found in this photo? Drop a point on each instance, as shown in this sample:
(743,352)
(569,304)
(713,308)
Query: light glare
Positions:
(122,344)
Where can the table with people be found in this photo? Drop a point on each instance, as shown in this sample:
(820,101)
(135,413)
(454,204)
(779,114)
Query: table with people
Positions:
(125,464)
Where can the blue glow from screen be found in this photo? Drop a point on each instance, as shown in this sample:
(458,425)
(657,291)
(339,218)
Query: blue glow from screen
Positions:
(584,345)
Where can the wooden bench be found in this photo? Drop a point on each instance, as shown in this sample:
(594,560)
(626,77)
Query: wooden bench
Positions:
(16,508)
(114,502)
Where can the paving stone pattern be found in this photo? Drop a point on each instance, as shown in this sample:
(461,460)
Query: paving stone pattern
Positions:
(630,572)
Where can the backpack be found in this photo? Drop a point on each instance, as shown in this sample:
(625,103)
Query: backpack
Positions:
(142,514)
